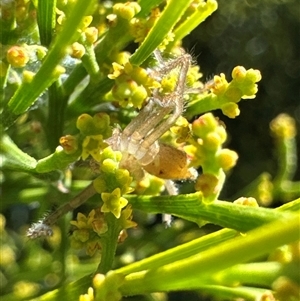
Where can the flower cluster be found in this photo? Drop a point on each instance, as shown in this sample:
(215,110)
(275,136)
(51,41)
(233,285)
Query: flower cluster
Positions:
(242,86)
(132,83)
(140,27)
(88,231)
(106,287)
(205,150)
(94,130)
(113,182)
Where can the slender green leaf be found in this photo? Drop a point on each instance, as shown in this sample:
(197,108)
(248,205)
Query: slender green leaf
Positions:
(13,158)
(194,271)
(169,17)
(46,20)
(27,93)
(239,217)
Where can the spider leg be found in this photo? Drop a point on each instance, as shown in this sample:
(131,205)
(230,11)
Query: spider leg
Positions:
(140,126)
(173,102)
(140,136)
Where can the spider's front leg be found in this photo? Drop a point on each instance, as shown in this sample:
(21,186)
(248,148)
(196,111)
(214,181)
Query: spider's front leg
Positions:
(139,140)
(142,134)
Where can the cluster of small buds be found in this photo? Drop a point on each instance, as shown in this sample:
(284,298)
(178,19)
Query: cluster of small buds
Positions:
(250,201)
(77,50)
(265,190)
(242,86)
(94,130)
(17,56)
(132,83)
(126,10)
(149,185)
(285,287)
(107,286)
(88,231)
(89,296)
(69,143)
(126,222)
(205,150)
(91,35)
(113,182)
(283,127)
(140,27)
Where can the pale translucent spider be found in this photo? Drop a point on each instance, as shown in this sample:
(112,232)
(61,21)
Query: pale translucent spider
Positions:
(139,144)
(139,140)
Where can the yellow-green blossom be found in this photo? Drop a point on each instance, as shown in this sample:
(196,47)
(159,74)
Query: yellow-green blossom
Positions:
(88,231)
(113,202)
(126,218)
(93,145)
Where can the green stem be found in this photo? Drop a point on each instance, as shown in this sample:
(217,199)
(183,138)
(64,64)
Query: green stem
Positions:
(109,242)
(235,293)
(180,252)
(204,10)
(47,74)
(257,274)
(169,17)
(194,271)
(54,125)
(46,20)
(191,207)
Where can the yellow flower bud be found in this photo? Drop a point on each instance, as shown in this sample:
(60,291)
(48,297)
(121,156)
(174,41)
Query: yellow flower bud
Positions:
(207,184)
(239,73)
(231,110)
(246,202)
(227,159)
(77,50)
(91,34)
(17,56)
(69,143)
(283,127)
(28,76)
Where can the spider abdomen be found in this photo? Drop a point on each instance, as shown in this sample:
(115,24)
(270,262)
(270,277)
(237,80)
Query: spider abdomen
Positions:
(169,163)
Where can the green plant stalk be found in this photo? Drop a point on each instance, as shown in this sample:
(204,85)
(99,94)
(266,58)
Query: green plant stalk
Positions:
(8,23)
(204,10)
(27,93)
(59,160)
(180,252)
(55,120)
(191,207)
(175,254)
(14,158)
(257,274)
(89,97)
(292,206)
(194,271)
(169,17)
(46,20)
(146,6)
(287,166)
(287,154)
(193,247)
(235,293)
(109,242)
(89,62)
(202,105)
(3,82)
